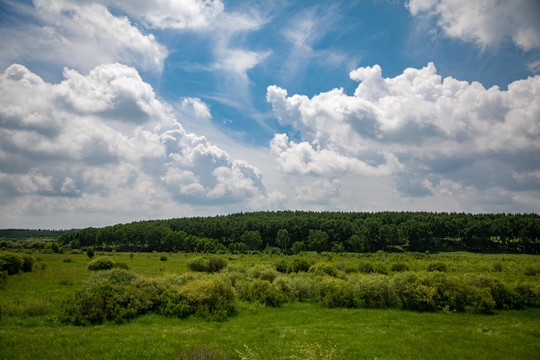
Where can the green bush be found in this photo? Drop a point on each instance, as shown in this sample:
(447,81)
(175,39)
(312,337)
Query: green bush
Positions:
(437,266)
(373,291)
(399,266)
(282,266)
(300,264)
(174,304)
(28,263)
(114,276)
(12,263)
(502,294)
(324,268)
(530,294)
(212,298)
(211,265)
(90,252)
(101,263)
(263,272)
(302,287)
(216,263)
(163,258)
(67,260)
(365,267)
(335,293)
(264,292)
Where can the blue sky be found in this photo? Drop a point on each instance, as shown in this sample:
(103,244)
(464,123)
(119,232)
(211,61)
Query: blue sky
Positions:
(114,110)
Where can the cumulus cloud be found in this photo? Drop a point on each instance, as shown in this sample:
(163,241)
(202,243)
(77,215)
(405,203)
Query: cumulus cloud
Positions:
(431,135)
(485,22)
(81,35)
(105,138)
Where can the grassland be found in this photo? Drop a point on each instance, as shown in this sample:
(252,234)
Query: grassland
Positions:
(31,303)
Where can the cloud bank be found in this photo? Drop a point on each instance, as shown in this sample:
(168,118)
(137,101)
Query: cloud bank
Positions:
(103,142)
(485,22)
(432,136)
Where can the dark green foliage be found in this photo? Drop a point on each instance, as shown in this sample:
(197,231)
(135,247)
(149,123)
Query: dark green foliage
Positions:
(300,264)
(365,267)
(28,263)
(101,263)
(324,268)
(282,266)
(173,304)
(12,263)
(90,252)
(502,294)
(531,271)
(210,265)
(68,260)
(162,258)
(399,266)
(298,247)
(264,292)
(437,266)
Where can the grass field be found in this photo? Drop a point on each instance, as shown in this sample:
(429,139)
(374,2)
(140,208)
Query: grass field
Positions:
(31,303)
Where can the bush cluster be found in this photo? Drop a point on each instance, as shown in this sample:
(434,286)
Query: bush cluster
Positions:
(264,292)
(119,295)
(210,265)
(16,263)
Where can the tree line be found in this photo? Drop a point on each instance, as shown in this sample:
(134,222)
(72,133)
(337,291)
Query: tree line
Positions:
(295,231)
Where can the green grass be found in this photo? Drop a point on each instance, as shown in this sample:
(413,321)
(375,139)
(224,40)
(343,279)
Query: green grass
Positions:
(30,302)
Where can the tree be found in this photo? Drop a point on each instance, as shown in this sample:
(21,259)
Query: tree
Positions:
(317,240)
(252,239)
(298,247)
(90,252)
(283,239)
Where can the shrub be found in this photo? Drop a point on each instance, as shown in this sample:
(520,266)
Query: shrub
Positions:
(67,260)
(365,267)
(28,263)
(173,304)
(263,272)
(216,263)
(437,266)
(211,265)
(502,294)
(380,268)
(12,263)
(101,263)
(530,294)
(373,291)
(114,276)
(163,258)
(399,266)
(282,266)
(213,298)
(335,293)
(303,287)
(496,266)
(324,268)
(300,264)
(90,252)
(264,292)
(531,271)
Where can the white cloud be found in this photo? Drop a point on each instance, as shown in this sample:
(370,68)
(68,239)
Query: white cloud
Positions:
(81,35)
(485,22)
(103,138)
(433,136)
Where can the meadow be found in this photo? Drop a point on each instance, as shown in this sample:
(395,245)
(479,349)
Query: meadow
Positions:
(338,306)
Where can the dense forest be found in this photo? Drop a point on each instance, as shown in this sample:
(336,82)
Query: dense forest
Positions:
(295,231)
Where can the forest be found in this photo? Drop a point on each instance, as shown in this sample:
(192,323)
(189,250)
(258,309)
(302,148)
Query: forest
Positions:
(291,232)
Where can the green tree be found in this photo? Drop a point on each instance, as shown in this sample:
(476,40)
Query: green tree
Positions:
(317,240)
(90,252)
(252,239)
(283,239)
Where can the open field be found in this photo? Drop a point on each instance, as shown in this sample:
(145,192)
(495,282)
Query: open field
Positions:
(33,301)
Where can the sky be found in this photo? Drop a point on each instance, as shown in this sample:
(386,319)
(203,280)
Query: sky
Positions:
(113,111)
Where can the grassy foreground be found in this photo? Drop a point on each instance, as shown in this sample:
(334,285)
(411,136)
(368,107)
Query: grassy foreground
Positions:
(29,328)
